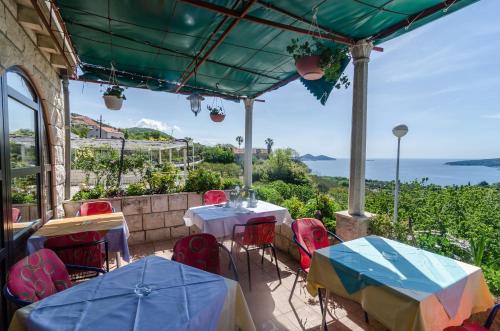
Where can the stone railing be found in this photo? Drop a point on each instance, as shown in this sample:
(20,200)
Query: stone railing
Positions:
(159,217)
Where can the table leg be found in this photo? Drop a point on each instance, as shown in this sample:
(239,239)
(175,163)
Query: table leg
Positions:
(118,260)
(323,308)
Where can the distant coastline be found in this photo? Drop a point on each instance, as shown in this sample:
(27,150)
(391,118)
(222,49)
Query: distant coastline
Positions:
(310,157)
(492,163)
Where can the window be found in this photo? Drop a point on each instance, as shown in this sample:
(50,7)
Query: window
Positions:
(27,175)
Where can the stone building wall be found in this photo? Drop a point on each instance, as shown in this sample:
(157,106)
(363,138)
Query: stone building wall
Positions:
(159,217)
(18,49)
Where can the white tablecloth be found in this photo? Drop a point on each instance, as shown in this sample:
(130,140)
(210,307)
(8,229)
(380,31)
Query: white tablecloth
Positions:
(219,220)
(150,294)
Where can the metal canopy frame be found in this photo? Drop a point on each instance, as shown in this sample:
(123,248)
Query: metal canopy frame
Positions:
(229,18)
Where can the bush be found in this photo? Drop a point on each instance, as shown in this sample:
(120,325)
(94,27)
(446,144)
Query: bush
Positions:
(230,183)
(268,194)
(163,180)
(295,207)
(281,165)
(224,169)
(201,180)
(136,189)
(218,154)
(89,193)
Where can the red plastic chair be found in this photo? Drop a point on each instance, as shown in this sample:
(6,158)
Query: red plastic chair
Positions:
(95,208)
(201,251)
(310,235)
(473,326)
(16,215)
(214,197)
(259,233)
(36,277)
(84,249)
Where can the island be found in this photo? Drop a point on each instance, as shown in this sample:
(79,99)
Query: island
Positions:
(493,163)
(310,157)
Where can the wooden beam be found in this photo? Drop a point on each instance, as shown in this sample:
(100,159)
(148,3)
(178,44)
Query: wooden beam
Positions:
(28,17)
(57,60)
(46,43)
(217,43)
(48,27)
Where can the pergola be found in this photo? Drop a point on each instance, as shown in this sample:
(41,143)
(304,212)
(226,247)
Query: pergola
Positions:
(235,49)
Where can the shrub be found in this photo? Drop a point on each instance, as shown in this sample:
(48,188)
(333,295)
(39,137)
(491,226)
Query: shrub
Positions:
(218,154)
(89,193)
(224,169)
(136,189)
(163,180)
(268,194)
(324,204)
(23,197)
(295,207)
(230,183)
(281,165)
(201,180)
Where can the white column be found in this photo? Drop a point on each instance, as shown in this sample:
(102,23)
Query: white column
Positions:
(159,157)
(360,55)
(67,139)
(170,155)
(247,163)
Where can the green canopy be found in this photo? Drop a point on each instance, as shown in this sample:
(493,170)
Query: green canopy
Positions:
(230,48)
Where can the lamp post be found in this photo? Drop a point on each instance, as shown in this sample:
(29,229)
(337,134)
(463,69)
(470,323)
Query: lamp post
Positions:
(399,131)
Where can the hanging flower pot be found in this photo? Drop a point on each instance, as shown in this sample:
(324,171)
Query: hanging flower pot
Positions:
(309,67)
(113,97)
(216,113)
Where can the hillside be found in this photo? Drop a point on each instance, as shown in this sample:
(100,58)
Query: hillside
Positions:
(310,157)
(136,133)
(493,163)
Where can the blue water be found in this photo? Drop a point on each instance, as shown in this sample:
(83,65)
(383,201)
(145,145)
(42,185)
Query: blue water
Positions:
(411,169)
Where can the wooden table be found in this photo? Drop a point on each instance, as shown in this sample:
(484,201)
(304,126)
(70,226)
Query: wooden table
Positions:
(112,226)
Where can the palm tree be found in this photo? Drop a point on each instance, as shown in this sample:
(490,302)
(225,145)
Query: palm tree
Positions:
(239,140)
(269,143)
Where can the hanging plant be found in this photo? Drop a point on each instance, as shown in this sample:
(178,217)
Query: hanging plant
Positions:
(216,113)
(113,97)
(315,60)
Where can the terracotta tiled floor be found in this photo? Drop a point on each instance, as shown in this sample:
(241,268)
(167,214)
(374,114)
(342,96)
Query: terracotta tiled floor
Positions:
(268,301)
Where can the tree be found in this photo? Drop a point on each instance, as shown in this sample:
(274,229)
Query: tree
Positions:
(269,143)
(239,140)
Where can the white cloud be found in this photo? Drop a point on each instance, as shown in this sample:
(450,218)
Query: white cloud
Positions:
(497,116)
(157,125)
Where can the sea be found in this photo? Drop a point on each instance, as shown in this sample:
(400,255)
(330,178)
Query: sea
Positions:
(411,169)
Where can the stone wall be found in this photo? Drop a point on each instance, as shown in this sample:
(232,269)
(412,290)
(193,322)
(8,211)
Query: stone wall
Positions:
(160,217)
(18,49)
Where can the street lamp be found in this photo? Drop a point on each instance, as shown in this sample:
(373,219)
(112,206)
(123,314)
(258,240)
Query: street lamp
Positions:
(399,131)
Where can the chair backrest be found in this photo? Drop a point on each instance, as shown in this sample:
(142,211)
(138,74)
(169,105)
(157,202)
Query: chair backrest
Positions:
(96,208)
(214,197)
(200,251)
(37,276)
(83,248)
(259,231)
(311,234)
(16,215)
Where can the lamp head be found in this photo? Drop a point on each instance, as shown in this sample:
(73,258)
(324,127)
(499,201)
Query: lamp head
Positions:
(400,130)
(195,100)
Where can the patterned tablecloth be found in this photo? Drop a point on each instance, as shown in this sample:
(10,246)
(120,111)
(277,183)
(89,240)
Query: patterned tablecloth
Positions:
(219,220)
(112,226)
(403,287)
(150,294)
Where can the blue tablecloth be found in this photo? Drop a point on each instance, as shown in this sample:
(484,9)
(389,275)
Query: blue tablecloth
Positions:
(414,272)
(150,294)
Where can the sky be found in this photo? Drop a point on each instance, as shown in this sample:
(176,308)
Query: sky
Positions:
(442,80)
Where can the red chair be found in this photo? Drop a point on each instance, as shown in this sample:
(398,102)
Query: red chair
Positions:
(38,276)
(84,249)
(258,233)
(16,215)
(201,251)
(472,326)
(214,197)
(95,208)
